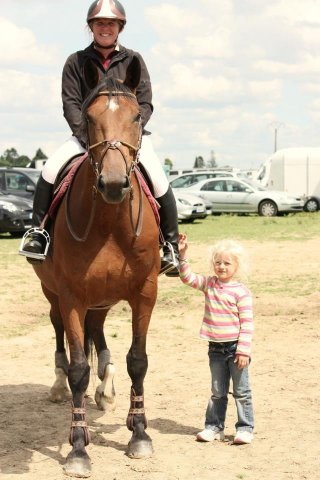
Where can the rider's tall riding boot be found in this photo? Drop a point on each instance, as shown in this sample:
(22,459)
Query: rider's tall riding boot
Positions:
(42,199)
(169,228)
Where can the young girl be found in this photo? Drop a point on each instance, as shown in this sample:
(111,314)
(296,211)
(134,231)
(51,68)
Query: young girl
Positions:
(228,325)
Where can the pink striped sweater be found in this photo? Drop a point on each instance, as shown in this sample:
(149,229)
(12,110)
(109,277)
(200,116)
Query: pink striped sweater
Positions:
(228,313)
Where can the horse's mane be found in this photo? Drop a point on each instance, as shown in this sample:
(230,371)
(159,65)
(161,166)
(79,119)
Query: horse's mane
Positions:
(110,85)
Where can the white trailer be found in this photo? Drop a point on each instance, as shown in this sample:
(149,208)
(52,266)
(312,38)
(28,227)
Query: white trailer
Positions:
(296,171)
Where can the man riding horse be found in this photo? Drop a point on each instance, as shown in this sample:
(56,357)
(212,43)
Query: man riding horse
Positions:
(106,19)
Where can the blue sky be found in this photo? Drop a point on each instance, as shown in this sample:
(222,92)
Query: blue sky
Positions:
(225,74)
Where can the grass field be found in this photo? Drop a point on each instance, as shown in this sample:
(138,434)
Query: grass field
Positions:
(295,227)
(251,227)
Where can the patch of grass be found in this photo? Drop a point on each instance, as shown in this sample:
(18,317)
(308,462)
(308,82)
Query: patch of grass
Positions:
(252,227)
(9,330)
(287,285)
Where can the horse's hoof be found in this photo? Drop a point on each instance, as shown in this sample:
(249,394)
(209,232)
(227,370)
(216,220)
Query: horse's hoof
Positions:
(59,395)
(78,467)
(140,449)
(104,402)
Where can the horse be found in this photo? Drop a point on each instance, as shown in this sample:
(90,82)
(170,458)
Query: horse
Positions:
(104,249)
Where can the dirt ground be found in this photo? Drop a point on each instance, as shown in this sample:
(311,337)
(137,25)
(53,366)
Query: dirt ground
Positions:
(284,377)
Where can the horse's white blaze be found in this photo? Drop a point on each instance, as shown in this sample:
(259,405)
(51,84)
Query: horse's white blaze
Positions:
(113,105)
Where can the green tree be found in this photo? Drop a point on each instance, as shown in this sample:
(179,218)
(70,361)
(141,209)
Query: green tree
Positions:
(199,162)
(39,155)
(11,158)
(24,160)
(168,162)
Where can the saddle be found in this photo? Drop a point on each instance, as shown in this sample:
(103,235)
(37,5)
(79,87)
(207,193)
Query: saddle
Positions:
(68,172)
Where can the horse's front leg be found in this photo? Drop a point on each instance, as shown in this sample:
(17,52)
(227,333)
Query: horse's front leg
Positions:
(78,461)
(140,445)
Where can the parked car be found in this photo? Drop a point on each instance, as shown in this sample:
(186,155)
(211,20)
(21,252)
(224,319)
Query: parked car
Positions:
(312,204)
(189,207)
(19,181)
(187,179)
(238,196)
(15,214)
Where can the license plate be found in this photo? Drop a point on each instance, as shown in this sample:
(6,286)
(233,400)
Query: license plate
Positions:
(200,209)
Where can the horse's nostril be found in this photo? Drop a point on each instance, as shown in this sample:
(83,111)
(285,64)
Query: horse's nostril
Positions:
(100,183)
(127,182)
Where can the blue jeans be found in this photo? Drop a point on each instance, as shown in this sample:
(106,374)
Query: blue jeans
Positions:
(222,366)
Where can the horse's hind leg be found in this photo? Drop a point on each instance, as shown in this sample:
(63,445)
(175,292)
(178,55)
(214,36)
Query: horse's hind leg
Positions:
(105,392)
(59,391)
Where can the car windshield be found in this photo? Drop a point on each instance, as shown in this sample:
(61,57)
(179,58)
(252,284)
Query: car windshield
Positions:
(256,185)
(186,181)
(34,175)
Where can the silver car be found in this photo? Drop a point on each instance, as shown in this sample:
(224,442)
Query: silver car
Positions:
(189,207)
(238,196)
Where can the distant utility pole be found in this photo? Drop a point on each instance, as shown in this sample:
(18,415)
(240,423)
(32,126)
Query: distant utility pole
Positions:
(276,126)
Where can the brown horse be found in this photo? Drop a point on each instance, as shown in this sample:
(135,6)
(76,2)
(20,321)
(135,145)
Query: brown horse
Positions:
(101,254)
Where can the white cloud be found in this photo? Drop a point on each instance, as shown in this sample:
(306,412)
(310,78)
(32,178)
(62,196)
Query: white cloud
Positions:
(19,45)
(295,11)
(267,92)
(309,65)
(190,85)
(25,91)
(222,72)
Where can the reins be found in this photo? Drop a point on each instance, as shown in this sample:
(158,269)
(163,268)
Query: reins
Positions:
(97,166)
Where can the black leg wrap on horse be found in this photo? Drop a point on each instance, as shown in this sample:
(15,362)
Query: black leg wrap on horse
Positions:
(169,228)
(136,409)
(78,420)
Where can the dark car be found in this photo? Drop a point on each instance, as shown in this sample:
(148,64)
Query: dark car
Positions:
(19,181)
(15,214)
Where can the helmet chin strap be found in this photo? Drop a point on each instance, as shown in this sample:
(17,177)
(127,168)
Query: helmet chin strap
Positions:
(96,44)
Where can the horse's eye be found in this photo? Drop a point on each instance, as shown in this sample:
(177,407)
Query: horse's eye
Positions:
(137,118)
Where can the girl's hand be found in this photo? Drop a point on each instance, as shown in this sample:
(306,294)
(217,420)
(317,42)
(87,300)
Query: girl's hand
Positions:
(242,361)
(183,245)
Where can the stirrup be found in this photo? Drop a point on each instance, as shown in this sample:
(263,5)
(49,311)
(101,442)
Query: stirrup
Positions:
(170,266)
(38,231)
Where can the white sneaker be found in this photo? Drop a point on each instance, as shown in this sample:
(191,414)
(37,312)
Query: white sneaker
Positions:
(243,436)
(208,435)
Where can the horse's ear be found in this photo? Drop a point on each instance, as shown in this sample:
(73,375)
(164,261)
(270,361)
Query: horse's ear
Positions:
(133,74)
(91,73)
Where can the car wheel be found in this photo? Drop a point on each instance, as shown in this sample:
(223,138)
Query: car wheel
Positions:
(311,205)
(268,208)
(16,234)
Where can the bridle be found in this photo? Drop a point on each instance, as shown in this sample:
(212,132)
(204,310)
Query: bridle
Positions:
(116,144)
(97,167)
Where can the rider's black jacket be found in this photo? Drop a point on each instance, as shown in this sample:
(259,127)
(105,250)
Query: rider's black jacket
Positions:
(75,90)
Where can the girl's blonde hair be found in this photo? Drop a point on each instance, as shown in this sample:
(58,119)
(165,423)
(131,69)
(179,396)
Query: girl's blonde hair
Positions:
(237,251)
